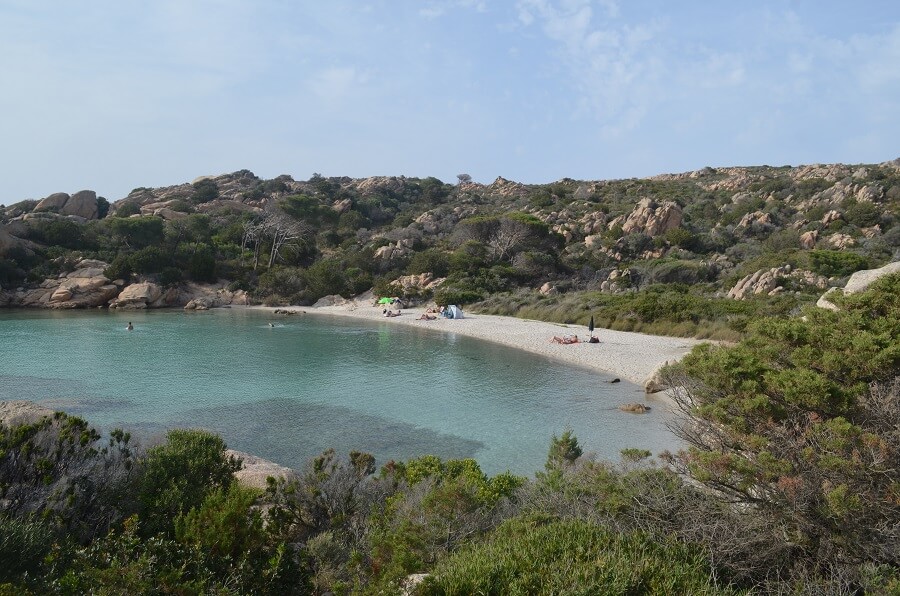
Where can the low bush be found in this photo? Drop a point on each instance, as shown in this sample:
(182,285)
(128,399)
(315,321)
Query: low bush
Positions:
(549,556)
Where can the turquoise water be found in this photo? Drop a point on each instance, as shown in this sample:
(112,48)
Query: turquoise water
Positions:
(313,382)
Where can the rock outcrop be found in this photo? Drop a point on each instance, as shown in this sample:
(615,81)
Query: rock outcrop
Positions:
(771,282)
(619,280)
(22,412)
(391,252)
(196,296)
(82,204)
(650,218)
(85,287)
(635,408)
(139,296)
(255,470)
(858,282)
(416,284)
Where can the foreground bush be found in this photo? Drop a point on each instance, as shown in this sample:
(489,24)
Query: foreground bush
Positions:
(800,424)
(538,556)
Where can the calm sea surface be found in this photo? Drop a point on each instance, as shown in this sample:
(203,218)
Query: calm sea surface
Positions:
(313,382)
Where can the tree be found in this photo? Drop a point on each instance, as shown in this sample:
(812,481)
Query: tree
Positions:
(275,229)
(198,259)
(324,278)
(102,207)
(205,190)
(180,474)
(516,232)
(800,423)
(464,178)
(137,232)
(564,450)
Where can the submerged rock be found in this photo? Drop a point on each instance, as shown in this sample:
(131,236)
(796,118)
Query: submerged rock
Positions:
(635,408)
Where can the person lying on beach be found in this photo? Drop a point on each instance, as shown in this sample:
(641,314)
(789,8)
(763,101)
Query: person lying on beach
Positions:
(565,339)
(427,317)
(593,340)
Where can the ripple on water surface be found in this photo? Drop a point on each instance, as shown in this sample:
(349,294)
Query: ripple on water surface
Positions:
(309,383)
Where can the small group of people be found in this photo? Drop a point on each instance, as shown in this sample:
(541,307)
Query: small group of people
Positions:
(387,312)
(572,339)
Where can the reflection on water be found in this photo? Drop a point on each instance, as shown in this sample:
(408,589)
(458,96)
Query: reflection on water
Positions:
(288,392)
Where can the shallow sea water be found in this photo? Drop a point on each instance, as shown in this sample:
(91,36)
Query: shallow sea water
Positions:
(314,382)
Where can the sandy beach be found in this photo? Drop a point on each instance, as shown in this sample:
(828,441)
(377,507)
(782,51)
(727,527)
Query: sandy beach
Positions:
(631,356)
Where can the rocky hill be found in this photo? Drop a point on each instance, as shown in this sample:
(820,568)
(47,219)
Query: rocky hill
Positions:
(736,233)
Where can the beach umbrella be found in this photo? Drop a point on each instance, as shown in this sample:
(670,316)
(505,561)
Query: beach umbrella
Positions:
(384,301)
(591,325)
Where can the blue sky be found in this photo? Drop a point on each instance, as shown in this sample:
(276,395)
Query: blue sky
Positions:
(112,95)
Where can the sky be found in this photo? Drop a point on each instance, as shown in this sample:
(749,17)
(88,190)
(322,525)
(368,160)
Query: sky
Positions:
(110,95)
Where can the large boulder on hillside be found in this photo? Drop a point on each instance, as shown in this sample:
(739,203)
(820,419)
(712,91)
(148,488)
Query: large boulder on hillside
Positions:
(332,300)
(138,296)
(652,219)
(200,296)
(54,202)
(9,242)
(771,282)
(808,239)
(82,204)
(858,282)
(85,287)
(414,284)
(255,471)
(840,241)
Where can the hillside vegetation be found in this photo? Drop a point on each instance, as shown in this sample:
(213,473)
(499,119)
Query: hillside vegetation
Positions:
(701,253)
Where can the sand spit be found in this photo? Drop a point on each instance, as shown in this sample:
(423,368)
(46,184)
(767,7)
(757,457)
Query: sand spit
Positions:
(632,356)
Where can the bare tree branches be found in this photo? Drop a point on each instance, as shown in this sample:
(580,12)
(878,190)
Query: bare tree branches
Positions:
(274,230)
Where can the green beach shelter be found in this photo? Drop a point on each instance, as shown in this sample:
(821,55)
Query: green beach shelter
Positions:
(384,300)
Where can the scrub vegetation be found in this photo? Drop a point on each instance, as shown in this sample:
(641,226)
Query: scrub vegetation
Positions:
(657,255)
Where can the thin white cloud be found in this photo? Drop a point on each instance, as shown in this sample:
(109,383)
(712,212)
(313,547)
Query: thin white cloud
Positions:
(337,84)
(437,9)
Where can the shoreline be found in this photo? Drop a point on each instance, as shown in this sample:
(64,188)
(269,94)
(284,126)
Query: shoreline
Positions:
(635,357)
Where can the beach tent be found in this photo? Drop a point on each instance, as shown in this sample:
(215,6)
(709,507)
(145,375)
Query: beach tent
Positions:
(384,300)
(453,312)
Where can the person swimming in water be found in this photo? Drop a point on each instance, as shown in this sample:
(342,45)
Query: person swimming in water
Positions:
(130,326)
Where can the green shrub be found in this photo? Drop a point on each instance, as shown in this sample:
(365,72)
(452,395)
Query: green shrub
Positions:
(833,263)
(324,278)
(127,209)
(204,191)
(24,544)
(151,259)
(198,260)
(286,282)
(59,232)
(861,214)
(799,427)
(429,261)
(179,475)
(546,556)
